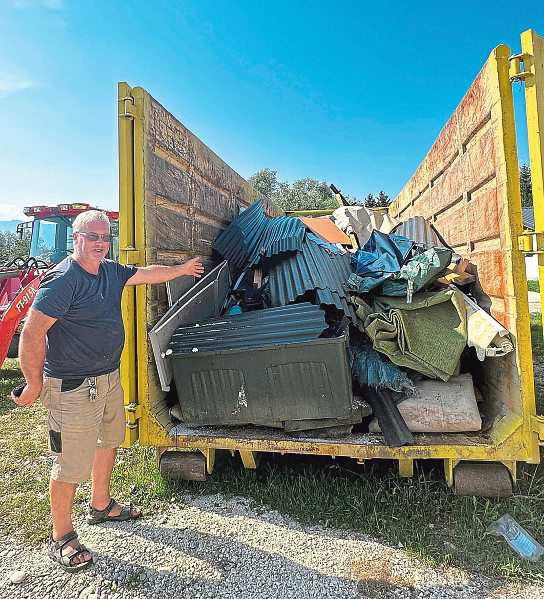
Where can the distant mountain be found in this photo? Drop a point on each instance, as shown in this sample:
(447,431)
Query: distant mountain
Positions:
(9,225)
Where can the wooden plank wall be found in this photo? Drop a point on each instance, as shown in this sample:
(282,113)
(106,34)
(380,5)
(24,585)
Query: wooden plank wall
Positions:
(461,186)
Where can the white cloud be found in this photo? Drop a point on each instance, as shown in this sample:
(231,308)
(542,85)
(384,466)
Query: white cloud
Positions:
(12,81)
(50,4)
(11,212)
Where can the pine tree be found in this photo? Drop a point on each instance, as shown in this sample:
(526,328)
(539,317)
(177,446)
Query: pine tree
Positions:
(526,186)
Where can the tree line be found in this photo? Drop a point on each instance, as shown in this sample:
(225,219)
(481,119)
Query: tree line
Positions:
(311,194)
(307,193)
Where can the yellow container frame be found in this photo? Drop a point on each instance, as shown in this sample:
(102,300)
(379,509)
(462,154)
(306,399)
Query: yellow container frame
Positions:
(515,439)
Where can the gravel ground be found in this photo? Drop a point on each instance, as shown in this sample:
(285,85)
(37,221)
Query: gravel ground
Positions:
(212,547)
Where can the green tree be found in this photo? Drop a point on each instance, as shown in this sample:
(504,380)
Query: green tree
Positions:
(303,194)
(266,182)
(12,247)
(383,200)
(369,201)
(526,186)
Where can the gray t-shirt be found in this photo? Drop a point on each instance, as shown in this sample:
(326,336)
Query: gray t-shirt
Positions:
(88,337)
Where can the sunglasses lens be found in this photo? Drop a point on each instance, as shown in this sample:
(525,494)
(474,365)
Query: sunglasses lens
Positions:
(96,237)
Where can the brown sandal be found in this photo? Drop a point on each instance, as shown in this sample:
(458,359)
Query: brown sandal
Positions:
(55,548)
(128,512)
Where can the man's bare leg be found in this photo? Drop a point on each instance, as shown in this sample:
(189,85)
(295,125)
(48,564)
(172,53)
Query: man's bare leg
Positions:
(104,460)
(62,500)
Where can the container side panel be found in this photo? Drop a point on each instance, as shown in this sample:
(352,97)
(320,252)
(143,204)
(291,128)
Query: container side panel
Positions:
(468,185)
(189,196)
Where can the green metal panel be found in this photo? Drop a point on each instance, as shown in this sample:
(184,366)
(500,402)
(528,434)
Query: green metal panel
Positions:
(295,381)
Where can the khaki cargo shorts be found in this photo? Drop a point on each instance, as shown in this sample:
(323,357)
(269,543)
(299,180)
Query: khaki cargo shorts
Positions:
(83,414)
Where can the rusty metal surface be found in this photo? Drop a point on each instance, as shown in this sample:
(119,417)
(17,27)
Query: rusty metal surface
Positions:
(468,186)
(459,187)
(326,229)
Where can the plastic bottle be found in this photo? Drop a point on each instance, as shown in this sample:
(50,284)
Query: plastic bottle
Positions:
(517,537)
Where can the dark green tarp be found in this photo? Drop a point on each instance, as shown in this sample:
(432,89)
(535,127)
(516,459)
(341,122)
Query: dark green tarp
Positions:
(427,335)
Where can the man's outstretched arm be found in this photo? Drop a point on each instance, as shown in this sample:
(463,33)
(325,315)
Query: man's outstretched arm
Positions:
(32,355)
(157,273)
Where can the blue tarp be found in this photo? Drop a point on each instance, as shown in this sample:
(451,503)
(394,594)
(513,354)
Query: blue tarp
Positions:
(381,256)
(374,370)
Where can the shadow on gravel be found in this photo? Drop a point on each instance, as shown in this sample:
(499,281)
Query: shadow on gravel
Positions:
(222,564)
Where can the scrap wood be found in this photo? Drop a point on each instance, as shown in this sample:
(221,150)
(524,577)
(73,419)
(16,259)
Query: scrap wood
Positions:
(326,229)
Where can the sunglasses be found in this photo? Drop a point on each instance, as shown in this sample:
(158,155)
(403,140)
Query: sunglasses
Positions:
(107,237)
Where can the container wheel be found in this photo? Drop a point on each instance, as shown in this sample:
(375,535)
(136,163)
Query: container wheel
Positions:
(183,465)
(482,479)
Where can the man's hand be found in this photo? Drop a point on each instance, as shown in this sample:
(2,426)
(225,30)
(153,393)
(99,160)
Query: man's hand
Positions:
(193,268)
(27,396)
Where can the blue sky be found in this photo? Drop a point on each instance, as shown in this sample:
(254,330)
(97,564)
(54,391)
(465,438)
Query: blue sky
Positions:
(349,92)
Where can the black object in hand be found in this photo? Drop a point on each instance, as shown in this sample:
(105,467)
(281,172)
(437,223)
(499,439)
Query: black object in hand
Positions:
(18,390)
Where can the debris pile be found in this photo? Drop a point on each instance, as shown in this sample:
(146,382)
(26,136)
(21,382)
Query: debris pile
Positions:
(316,335)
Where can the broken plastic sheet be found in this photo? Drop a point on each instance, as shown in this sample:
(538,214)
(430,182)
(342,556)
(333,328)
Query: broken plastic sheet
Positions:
(427,336)
(362,221)
(419,272)
(485,334)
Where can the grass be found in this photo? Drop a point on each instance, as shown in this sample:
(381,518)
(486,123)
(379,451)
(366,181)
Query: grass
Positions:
(421,513)
(533,286)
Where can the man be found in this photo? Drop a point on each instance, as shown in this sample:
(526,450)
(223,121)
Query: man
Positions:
(69,353)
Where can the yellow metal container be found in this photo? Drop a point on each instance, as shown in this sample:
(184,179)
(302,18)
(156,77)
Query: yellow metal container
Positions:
(176,195)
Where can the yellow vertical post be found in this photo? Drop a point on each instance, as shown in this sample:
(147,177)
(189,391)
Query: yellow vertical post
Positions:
(532,48)
(125,128)
(406,467)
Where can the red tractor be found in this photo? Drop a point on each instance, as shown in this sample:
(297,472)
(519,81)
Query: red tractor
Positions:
(50,233)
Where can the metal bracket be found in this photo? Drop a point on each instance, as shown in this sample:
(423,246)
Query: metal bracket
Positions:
(133,413)
(516,74)
(526,243)
(127,109)
(538,427)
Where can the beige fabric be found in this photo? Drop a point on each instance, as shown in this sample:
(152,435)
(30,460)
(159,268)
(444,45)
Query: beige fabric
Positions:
(78,423)
(362,221)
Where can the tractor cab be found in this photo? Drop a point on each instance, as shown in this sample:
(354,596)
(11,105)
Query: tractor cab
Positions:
(51,231)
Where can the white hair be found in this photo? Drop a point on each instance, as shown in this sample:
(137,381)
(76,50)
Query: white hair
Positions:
(89,216)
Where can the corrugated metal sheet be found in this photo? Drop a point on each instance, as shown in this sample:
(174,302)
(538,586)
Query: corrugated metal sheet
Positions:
(237,242)
(420,231)
(282,234)
(528,218)
(288,324)
(312,269)
(203,301)
(252,235)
